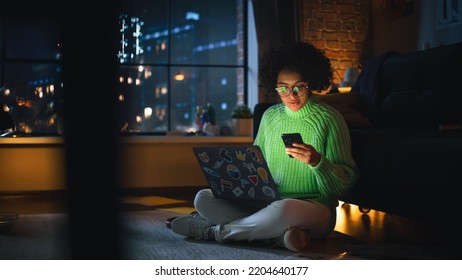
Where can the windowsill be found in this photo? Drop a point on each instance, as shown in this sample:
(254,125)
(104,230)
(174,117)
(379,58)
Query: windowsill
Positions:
(32,140)
(146,161)
(56,140)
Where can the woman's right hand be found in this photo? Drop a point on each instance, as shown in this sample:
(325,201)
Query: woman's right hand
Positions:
(304,153)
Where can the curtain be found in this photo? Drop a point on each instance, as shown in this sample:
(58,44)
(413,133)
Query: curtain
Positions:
(277,22)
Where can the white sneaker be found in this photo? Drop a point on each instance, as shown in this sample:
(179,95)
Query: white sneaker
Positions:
(193,226)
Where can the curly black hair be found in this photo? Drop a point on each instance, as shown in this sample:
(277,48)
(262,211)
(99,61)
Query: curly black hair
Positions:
(301,57)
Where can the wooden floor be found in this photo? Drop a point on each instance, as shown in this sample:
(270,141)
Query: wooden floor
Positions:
(386,236)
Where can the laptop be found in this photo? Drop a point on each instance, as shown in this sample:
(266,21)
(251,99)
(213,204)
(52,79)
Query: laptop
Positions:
(237,172)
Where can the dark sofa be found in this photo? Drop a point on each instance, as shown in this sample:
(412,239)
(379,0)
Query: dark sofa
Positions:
(405,120)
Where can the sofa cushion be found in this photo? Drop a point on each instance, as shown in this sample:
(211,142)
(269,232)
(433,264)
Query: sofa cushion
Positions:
(422,88)
(347,105)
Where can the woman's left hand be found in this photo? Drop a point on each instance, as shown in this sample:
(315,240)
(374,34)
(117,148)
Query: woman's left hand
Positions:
(304,153)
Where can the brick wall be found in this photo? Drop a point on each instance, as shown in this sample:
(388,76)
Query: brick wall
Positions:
(342,29)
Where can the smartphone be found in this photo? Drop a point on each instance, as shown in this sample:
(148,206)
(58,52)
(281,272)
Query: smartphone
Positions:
(290,138)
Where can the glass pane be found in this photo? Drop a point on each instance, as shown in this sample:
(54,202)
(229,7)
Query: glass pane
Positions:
(201,85)
(32,38)
(32,95)
(143,32)
(207,32)
(143,99)
(203,33)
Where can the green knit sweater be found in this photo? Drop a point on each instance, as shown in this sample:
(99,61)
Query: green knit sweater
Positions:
(325,129)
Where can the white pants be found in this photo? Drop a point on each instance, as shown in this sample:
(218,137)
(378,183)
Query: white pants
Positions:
(255,221)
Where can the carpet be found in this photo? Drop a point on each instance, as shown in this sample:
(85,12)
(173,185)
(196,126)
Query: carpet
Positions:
(45,237)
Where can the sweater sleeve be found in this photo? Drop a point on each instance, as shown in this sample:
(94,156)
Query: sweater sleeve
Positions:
(259,138)
(337,170)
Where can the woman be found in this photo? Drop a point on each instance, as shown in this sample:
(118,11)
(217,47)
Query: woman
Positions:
(310,182)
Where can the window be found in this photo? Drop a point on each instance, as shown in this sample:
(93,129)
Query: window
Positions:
(176,56)
(31,91)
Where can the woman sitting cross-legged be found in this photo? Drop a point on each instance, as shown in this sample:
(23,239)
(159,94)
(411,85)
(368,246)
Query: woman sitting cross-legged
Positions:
(310,182)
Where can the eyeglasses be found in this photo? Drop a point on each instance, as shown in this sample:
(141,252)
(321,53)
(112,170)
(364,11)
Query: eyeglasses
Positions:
(297,90)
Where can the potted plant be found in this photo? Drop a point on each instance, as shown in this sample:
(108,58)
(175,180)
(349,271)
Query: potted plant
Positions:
(242,120)
(242,112)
